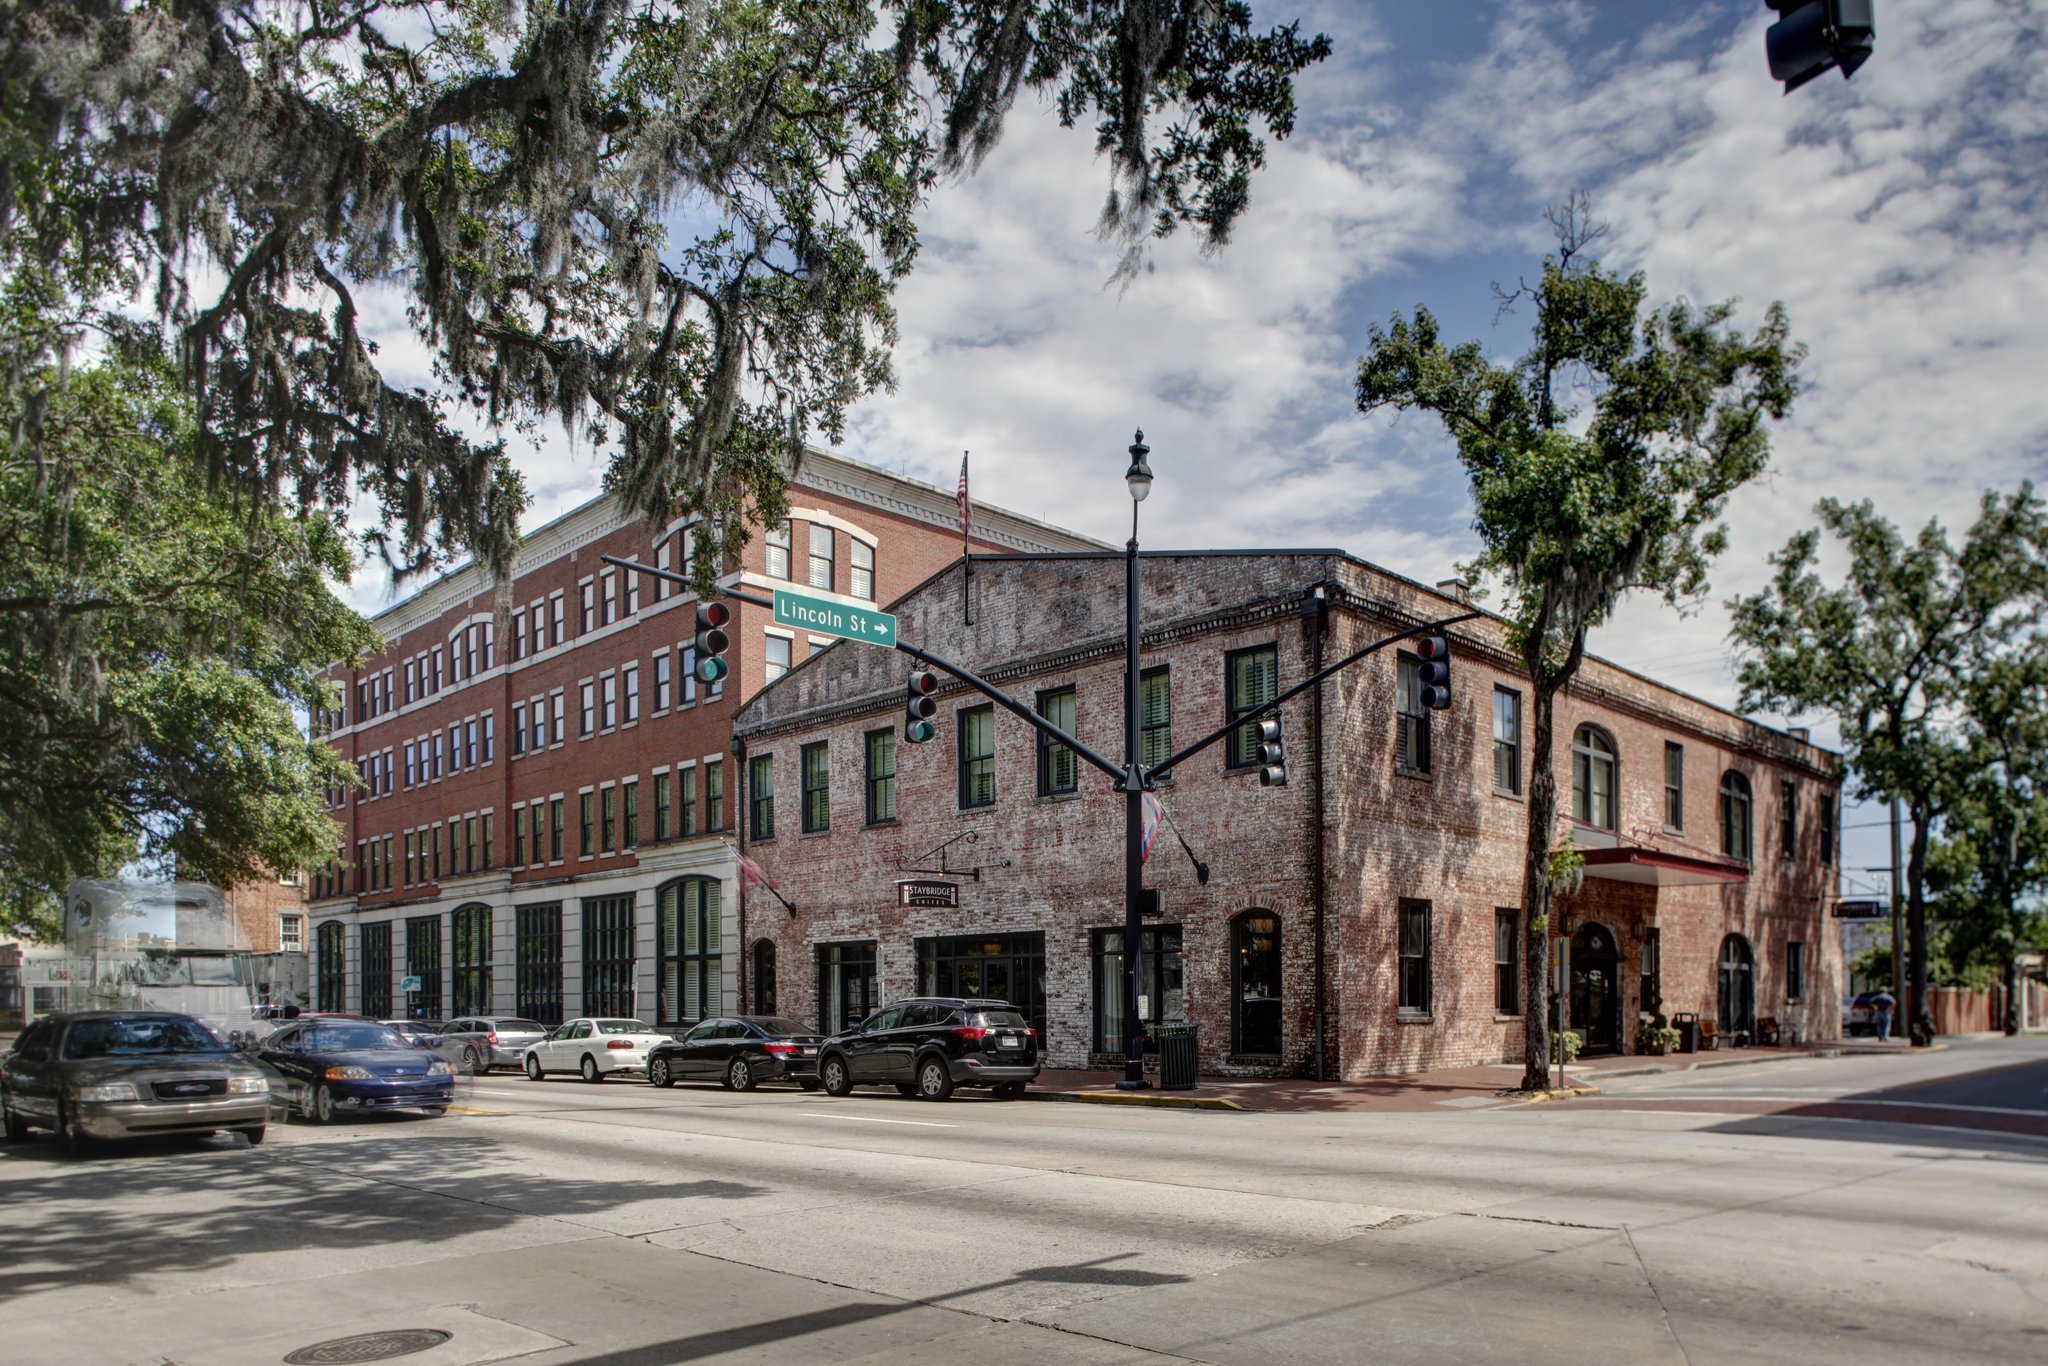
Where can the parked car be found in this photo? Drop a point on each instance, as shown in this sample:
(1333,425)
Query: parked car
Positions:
(326,1067)
(95,1074)
(928,1045)
(595,1048)
(1859,1014)
(419,1033)
(479,1044)
(739,1051)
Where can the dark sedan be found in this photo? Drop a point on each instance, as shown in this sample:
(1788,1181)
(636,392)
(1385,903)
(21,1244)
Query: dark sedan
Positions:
(127,1074)
(739,1051)
(327,1068)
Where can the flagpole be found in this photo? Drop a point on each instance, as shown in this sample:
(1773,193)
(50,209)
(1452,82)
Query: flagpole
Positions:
(966,554)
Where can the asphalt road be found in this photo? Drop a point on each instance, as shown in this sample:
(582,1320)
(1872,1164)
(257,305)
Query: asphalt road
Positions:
(559,1222)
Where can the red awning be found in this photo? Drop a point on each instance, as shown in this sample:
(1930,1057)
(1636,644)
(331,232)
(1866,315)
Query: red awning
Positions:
(1661,868)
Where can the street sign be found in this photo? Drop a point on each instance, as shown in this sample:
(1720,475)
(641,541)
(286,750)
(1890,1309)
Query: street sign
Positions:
(408,984)
(1860,910)
(913,891)
(830,618)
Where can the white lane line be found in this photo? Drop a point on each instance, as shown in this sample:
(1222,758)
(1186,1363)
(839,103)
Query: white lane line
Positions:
(1839,1100)
(869,1119)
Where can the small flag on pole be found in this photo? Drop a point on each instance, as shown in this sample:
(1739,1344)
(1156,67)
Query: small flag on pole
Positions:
(1150,830)
(966,513)
(753,872)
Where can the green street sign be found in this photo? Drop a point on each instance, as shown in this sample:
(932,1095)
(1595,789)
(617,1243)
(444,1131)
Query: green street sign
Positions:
(408,984)
(824,617)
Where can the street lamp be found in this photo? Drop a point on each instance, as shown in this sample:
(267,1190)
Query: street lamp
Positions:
(1139,479)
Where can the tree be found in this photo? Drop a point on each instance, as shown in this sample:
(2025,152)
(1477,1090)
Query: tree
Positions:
(675,226)
(154,644)
(1573,513)
(1889,653)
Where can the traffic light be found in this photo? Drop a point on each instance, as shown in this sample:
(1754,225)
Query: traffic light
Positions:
(712,640)
(919,706)
(1433,671)
(1272,753)
(1813,35)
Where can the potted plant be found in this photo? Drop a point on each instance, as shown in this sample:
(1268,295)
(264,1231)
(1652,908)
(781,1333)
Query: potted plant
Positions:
(1652,1037)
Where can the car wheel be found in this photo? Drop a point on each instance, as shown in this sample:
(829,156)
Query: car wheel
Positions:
(1009,1090)
(473,1063)
(533,1072)
(934,1082)
(658,1073)
(739,1076)
(254,1133)
(590,1072)
(836,1079)
(17,1127)
(321,1109)
(808,1083)
(76,1143)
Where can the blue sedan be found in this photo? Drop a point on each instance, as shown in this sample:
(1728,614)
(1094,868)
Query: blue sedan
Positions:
(330,1067)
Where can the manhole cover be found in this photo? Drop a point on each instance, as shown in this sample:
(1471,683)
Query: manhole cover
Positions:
(397,1342)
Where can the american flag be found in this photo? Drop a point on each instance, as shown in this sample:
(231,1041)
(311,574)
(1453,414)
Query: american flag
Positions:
(755,873)
(966,512)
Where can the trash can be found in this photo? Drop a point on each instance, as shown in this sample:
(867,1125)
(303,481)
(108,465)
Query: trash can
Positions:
(1179,1066)
(1688,1026)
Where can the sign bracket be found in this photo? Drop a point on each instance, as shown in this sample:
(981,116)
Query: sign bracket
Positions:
(944,870)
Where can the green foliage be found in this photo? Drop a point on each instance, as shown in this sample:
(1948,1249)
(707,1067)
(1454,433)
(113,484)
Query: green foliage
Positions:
(1566,869)
(154,644)
(1655,1038)
(674,225)
(1566,1045)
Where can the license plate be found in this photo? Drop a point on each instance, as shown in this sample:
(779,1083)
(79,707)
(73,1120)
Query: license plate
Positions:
(807,1052)
(1009,1041)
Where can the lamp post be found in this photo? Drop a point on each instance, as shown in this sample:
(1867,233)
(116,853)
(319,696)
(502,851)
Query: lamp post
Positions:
(1139,479)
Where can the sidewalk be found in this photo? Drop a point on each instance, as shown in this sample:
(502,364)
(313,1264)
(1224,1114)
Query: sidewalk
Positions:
(1481,1087)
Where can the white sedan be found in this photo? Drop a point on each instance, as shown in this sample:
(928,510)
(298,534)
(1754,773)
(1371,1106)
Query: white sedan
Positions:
(595,1048)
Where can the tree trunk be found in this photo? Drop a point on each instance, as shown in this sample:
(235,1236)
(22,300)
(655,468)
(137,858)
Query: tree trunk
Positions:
(1920,1023)
(1536,892)
(2011,1021)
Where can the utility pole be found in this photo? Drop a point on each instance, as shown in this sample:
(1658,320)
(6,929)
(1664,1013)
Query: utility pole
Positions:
(1139,480)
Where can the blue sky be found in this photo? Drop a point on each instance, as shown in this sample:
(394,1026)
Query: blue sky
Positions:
(1899,216)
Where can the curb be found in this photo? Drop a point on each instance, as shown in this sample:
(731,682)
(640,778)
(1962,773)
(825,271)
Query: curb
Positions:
(1538,1097)
(1141,1098)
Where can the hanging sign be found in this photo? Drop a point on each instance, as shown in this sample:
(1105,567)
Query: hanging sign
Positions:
(912,891)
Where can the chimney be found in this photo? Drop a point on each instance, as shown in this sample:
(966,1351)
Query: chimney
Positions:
(1455,588)
(1800,733)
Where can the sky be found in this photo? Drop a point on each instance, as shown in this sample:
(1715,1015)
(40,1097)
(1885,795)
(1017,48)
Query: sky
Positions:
(1900,217)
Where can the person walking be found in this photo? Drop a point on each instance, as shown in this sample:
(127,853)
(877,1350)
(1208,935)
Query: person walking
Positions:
(1881,1011)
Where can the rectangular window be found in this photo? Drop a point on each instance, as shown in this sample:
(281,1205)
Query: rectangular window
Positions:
(538,739)
(538,965)
(539,626)
(777,658)
(1649,972)
(376,953)
(589,709)
(412,866)
(821,557)
(610,717)
(662,791)
(1414,957)
(423,960)
(1788,819)
(434,834)
(607,827)
(1162,976)
(518,837)
(662,665)
(1507,741)
(977,757)
(1251,678)
(630,685)
(331,972)
(537,817)
(964,965)
(469,846)
(469,737)
(688,947)
(586,611)
(662,553)
(632,593)
(817,787)
(686,801)
(714,796)
(846,985)
(439,750)
(761,796)
(1507,953)
(1411,724)
(1827,831)
(686,675)
(862,583)
(558,819)
(559,732)
(1155,715)
(608,599)
(608,962)
(472,935)
(587,810)
(490,739)
(1058,770)
(1674,786)
(518,729)
(777,562)
(556,611)
(1795,971)
(881,782)
(437,668)
(490,830)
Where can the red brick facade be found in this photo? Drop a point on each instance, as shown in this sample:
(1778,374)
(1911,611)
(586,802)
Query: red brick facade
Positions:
(1052,866)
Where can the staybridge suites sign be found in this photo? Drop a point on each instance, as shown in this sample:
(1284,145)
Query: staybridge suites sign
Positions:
(830,618)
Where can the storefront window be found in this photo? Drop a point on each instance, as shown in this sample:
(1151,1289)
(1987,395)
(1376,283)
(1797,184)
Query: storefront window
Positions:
(1162,996)
(1255,988)
(846,985)
(995,967)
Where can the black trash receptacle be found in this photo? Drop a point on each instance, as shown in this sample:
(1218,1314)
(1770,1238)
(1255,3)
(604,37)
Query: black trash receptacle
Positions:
(1179,1065)
(1688,1027)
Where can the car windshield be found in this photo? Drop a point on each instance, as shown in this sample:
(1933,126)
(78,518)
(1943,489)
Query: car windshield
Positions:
(999,1019)
(521,1027)
(778,1025)
(139,1036)
(350,1038)
(622,1027)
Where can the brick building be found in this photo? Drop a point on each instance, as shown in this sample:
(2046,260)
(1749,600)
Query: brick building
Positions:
(544,824)
(1363,918)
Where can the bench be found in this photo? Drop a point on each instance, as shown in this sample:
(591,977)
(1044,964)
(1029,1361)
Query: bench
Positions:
(1767,1031)
(1710,1035)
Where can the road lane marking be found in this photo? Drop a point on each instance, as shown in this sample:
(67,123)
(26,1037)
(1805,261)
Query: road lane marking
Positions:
(870,1119)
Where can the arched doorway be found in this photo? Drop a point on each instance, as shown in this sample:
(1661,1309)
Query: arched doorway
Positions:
(1596,988)
(1738,987)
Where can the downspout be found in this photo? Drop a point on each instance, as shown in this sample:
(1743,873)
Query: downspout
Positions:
(738,747)
(1313,607)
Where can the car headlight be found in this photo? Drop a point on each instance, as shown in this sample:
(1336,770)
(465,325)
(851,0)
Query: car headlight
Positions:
(118,1090)
(248,1086)
(439,1068)
(349,1074)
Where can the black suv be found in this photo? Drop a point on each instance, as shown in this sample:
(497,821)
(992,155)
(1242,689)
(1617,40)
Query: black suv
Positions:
(928,1045)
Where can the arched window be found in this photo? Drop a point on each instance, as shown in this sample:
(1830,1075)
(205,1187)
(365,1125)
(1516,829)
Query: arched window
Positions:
(1255,984)
(688,944)
(764,977)
(1593,774)
(1738,986)
(1736,808)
